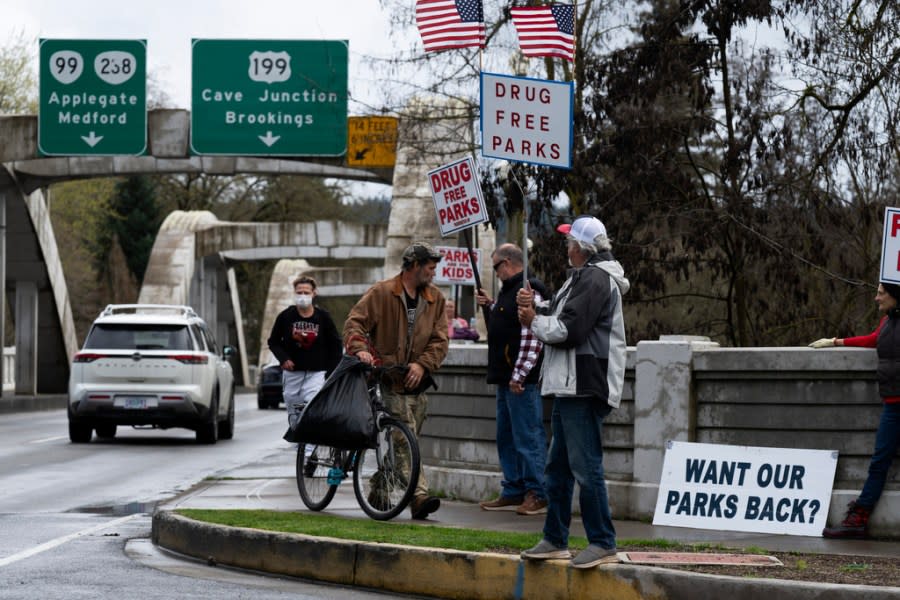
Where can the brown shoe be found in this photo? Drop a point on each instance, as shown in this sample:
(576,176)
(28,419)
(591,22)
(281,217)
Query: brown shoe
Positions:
(533,505)
(502,503)
(422,506)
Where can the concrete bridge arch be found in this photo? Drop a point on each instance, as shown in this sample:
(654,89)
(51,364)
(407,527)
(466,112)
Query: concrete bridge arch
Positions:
(192,263)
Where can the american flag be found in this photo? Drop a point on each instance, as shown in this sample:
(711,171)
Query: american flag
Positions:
(448,24)
(546,30)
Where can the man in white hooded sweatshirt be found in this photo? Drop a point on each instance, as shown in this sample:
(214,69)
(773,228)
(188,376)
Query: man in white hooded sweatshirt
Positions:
(584,371)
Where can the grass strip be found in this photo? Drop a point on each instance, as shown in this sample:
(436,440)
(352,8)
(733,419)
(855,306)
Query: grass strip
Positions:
(367,530)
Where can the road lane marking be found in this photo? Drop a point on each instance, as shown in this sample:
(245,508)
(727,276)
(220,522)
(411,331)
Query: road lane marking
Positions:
(255,491)
(49,439)
(62,540)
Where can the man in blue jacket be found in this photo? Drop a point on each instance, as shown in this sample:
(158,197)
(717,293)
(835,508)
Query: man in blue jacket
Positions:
(584,371)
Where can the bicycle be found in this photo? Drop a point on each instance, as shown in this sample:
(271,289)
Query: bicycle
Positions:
(384,478)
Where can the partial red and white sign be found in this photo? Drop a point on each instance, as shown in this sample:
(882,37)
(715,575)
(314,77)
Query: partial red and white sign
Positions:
(527,120)
(890,246)
(456,266)
(458,202)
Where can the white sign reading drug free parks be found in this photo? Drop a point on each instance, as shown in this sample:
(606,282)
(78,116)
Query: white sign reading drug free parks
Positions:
(456,191)
(745,488)
(527,120)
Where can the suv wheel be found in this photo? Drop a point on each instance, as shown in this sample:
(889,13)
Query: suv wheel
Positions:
(226,427)
(208,432)
(80,433)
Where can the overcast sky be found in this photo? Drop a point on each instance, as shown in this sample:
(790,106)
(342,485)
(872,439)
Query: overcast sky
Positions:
(169,25)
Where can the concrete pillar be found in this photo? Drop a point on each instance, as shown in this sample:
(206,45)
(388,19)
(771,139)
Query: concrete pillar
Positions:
(423,143)
(26,337)
(664,410)
(239,328)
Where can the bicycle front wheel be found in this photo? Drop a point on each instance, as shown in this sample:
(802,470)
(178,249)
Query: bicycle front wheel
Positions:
(314,464)
(385,477)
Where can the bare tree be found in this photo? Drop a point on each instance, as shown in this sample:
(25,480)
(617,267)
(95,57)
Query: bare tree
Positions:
(18,80)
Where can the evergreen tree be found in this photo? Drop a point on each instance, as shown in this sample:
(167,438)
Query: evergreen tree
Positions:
(133,220)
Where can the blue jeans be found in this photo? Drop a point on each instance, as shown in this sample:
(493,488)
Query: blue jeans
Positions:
(886,441)
(576,454)
(521,441)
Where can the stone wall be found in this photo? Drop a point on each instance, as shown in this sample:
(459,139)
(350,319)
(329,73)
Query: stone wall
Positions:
(688,391)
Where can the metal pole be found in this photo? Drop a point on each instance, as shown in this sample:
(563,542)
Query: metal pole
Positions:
(468,234)
(525,283)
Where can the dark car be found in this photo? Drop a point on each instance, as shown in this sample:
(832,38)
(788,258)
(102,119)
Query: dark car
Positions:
(268,388)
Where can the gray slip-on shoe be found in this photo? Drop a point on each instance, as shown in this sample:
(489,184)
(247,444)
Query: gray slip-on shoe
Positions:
(546,550)
(594,555)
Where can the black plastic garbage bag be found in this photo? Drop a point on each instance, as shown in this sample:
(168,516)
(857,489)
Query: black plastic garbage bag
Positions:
(341,414)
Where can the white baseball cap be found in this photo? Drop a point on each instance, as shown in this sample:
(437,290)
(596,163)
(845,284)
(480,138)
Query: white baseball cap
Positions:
(583,229)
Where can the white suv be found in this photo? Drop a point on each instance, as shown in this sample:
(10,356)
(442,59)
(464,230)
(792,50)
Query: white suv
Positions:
(151,364)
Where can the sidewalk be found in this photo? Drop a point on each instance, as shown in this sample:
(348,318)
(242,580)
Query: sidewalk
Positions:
(270,484)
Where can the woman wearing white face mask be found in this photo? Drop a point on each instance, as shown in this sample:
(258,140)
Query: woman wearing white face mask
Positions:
(306,342)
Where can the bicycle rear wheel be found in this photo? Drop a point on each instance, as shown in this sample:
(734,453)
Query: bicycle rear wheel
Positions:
(384,478)
(313,474)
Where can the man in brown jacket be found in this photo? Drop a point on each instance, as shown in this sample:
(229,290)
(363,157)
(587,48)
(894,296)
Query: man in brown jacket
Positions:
(401,321)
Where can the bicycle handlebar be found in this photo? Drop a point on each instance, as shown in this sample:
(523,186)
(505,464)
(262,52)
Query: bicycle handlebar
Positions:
(379,371)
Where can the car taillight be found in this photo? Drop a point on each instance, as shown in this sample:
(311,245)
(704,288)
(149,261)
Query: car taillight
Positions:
(86,357)
(191,359)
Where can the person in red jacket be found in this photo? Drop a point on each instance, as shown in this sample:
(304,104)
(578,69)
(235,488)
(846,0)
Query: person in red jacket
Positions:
(886,339)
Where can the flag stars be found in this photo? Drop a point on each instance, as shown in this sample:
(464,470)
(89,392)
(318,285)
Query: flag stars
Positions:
(470,10)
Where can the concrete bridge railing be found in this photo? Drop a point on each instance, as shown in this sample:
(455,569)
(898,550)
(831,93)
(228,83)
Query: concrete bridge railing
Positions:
(9,365)
(685,391)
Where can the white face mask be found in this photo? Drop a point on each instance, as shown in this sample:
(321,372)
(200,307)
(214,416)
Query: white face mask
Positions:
(303,300)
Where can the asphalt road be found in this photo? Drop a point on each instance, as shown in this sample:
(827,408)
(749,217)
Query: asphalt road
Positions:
(75,519)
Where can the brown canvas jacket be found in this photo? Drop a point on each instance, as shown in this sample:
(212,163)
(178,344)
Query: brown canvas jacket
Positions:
(381,315)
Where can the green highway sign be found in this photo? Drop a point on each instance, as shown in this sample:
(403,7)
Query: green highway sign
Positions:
(269,97)
(93,97)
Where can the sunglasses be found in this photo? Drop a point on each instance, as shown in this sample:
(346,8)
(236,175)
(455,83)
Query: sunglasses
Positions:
(498,263)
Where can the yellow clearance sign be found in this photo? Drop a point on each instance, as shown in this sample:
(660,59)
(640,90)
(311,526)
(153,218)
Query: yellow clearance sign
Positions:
(372,141)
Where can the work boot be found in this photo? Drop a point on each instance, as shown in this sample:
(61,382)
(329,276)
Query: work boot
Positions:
(854,525)
(502,503)
(533,505)
(422,506)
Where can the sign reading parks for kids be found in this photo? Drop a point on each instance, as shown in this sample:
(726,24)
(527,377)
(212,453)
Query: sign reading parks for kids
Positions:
(890,246)
(458,202)
(456,266)
(745,488)
(527,120)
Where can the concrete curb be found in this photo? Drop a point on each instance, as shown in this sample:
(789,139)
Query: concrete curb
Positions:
(467,575)
(15,404)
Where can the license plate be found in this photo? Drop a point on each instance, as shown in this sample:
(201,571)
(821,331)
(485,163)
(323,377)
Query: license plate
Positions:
(136,402)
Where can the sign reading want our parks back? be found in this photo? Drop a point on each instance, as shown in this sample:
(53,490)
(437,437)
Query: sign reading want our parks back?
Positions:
(93,97)
(269,97)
